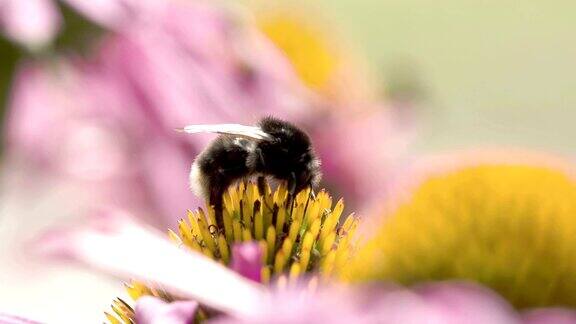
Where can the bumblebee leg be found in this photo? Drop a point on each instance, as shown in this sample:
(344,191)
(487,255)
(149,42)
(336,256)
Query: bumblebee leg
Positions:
(310,195)
(261,182)
(216,200)
(291,185)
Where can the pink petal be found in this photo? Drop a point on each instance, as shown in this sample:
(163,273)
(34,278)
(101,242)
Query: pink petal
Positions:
(151,310)
(28,120)
(83,146)
(413,172)
(442,303)
(190,66)
(467,303)
(165,169)
(13,319)
(247,260)
(113,243)
(114,13)
(31,22)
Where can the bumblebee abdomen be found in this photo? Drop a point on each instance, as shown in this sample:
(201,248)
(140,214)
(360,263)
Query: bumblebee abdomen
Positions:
(222,163)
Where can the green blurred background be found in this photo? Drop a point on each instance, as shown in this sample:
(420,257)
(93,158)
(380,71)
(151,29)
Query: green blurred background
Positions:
(490,72)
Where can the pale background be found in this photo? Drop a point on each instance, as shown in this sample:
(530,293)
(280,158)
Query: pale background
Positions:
(493,71)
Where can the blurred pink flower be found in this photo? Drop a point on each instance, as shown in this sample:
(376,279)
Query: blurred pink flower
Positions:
(113,245)
(107,123)
(35,23)
(362,153)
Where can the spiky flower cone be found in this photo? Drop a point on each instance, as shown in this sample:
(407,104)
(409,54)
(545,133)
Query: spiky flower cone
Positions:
(306,236)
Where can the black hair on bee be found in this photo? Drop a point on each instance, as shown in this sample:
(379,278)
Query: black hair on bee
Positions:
(273,148)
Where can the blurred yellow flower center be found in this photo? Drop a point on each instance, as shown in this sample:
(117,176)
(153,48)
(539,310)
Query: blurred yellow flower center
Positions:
(307,47)
(510,227)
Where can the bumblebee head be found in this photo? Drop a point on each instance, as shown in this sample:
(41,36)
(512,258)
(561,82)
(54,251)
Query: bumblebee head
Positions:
(288,153)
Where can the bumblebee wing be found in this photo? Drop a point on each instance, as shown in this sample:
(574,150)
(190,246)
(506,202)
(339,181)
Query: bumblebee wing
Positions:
(248,132)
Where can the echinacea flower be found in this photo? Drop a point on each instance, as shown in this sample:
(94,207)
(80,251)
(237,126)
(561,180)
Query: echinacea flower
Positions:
(509,226)
(307,235)
(264,237)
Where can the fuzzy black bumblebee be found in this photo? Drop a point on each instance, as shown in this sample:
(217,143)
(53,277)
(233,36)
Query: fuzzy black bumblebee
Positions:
(273,148)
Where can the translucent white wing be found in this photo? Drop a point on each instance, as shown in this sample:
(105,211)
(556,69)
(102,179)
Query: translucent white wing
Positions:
(251,132)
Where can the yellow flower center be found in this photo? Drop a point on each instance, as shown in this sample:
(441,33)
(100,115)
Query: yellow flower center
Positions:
(509,227)
(307,47)
(305,236)
(301,237)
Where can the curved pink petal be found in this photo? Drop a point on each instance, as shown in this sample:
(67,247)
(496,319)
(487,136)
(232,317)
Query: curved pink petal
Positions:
(113,243)
(443,303)
(467,302)
(32,22)
(247,260)
(152,310)
(13,319)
